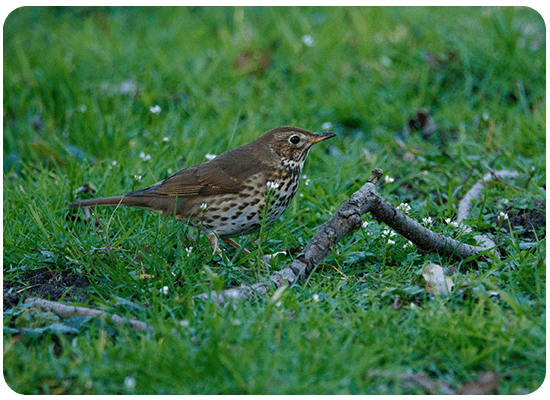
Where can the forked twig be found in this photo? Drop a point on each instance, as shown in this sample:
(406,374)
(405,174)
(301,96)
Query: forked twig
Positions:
(345,220)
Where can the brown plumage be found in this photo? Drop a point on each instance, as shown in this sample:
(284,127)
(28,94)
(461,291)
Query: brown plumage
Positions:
(225,195)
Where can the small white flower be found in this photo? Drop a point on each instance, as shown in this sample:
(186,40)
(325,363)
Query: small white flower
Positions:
(502,216)
(188,250)
(315,297)
(307,182)
(308,40)
(137,178)
(184,322)
(427,221)
(364,224)
(114,163)
(169,170)
(155,110)
(326,126)
(272,185)
(130,382)
(166,139)
(404,207)
(391,241)
(385,61)
(204,206)
(388,179)
(452,223)
(144,157)
(83,108)
(210,156)
(485,116)
(165,290)
(301,195)
(235,321)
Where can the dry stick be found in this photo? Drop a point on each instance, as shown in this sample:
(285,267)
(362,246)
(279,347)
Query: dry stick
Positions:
(345,220)
(66,311)
(465,205)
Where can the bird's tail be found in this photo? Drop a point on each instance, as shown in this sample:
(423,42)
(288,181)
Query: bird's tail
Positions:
(101,201)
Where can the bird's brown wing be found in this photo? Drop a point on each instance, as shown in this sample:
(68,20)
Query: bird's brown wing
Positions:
(224,174)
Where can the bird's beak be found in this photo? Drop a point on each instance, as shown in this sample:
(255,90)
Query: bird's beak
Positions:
(322,136)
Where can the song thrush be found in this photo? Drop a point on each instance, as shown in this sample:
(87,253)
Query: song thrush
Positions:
(225,196)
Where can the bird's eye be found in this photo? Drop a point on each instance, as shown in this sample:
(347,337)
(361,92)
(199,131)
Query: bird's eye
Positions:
(294,139)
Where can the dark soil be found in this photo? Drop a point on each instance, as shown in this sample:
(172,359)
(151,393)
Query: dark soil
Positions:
(51,285)
(525,222)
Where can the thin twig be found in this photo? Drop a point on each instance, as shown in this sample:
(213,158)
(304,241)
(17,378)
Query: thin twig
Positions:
(66,311)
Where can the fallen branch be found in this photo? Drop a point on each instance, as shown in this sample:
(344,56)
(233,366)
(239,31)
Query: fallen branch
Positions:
(465,205)
(66,311)
(345,220)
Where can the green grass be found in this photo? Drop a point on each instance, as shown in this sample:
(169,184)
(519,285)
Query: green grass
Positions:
(78,87)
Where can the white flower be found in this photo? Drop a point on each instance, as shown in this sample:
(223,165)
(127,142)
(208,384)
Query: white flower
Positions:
(364,224)
(165,290)
(308,40)
(114,163)
(188,250)
(169,170)
(210,156)
(452,223)
(137,178)
(83,108)
(130,382)
(404,207)
(315,297)
(391,241)
(155,110)
(301,195)
(485,116)
(272,185)
(204,206)
(166,139)
(427,220)
(326,126)
(385,61)
(144,157)
(388,179)
(307,182)
(502,216)
(184,322)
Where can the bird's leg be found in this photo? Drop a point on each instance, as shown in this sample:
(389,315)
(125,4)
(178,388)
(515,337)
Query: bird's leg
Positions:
(213,241)
(236,245)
